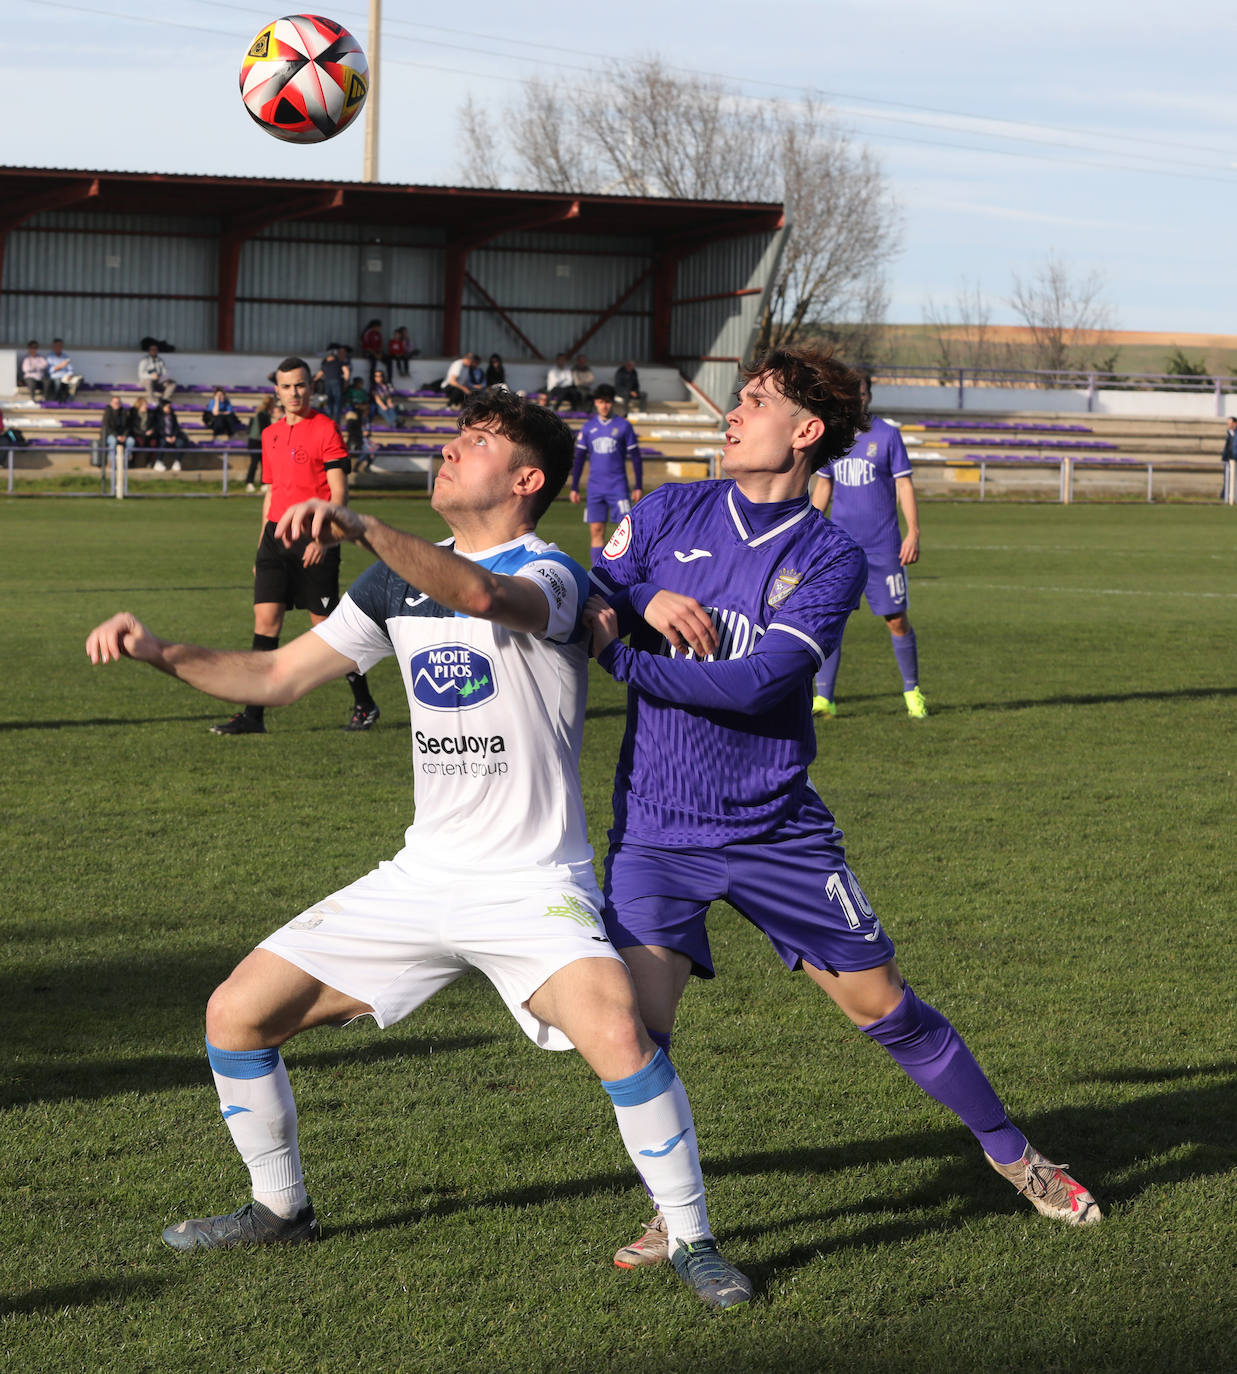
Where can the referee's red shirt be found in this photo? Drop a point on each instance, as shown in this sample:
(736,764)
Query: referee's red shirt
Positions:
(295,459)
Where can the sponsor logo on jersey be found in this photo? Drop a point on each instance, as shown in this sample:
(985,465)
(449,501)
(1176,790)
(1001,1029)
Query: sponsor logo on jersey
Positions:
(854,472)
(452,677)
(460,744)
(736,636)
(620,540)
(554,582)
(783,584)
(692,554)
(416,600)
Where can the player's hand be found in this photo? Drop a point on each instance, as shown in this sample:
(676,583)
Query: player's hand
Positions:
(601,620)
(321,521)
(315,552)
(910,550)
(575,498)
(123,636)
(636,494)
(684,622)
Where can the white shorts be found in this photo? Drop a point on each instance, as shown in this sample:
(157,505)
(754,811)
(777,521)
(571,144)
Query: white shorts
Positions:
(392,941)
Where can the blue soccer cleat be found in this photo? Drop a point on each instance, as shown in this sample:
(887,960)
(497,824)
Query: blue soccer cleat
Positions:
(714,1280)
(253,1224)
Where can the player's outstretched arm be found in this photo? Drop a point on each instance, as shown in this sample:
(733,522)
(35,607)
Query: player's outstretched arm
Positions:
(264,679)
(452,581)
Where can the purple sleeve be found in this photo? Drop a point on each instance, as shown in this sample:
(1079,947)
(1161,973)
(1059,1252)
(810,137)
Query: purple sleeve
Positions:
(749,686)
(899,461)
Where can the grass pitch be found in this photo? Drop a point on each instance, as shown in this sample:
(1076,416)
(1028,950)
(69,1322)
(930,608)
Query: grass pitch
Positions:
(1052,850)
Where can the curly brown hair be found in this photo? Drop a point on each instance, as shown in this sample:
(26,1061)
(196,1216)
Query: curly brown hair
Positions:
(815,381)
(541,439)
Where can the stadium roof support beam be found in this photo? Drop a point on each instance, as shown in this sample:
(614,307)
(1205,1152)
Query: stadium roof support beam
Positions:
(455,272)
(609,311)
(17,213)
(237,231)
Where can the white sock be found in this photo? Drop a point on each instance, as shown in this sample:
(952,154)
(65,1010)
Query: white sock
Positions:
(661,1141)
(261,1115)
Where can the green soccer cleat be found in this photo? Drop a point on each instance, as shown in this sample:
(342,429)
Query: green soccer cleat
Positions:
(652,1248)
(822,706)
(253,1224)
(714,1280)
(1049,1189)
(916,706)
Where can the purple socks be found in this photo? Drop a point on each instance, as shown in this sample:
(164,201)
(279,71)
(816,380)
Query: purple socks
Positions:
(906,651)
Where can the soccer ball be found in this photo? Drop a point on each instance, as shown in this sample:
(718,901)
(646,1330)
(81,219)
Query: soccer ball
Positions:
(304,78)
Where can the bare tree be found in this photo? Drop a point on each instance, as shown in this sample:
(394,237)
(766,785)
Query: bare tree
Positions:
(963,336)
(650,131)
(1065,313)
(481,151)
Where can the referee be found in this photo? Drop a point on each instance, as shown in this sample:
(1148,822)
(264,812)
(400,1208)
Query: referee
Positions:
(302,457)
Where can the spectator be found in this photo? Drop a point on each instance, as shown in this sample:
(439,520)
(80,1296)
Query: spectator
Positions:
(356,397)
(371,345)
(360,447)
(334,375)
(399,351)
(583,379)
(382,400)
(464,376)
(115,429)
(496,373)
(559,386)
(142,427)
(627,387)
(267,413)
(171,436)
(34,370)
(1228,459)
(219,417)
(152,372)
(62,381)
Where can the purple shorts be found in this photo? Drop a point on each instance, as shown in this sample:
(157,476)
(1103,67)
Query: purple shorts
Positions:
(886,592)
(796,887)
(600,508)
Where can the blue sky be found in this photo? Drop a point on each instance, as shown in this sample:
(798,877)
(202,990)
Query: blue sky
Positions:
(1106,137)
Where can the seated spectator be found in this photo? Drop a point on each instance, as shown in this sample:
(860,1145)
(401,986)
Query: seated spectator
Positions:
(219,417)
(266,414)
(10,437)
(584,381)
(399,351)
(171,436)
(382,400)
(464,376)
(356,397)
(559,386)
(152,372)
(142,427)
(34,370)
(115,429)
(627,387)
(495,372)
(371,345)
(62,381)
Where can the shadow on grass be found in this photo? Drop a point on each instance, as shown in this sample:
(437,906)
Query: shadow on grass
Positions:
(93,722)
(1092,699)
(85,1294)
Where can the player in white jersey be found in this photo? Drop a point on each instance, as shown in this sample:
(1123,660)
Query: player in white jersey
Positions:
(496,871)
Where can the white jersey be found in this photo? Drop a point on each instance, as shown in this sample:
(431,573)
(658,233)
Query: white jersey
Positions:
(497,715)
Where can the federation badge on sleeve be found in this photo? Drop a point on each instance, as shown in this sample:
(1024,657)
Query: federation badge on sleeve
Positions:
(783,584)
(620,540)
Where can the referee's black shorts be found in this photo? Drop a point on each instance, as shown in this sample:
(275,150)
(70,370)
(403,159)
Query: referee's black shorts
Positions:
(279,575)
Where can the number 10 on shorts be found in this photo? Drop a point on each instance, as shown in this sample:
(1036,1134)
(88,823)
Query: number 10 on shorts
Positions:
(844,890)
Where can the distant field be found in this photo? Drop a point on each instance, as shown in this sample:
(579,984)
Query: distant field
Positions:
(1053,850)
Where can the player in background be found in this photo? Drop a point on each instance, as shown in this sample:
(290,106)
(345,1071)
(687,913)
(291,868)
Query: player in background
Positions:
(742,590)
(868,484)
(302,456)
(496,871)
(607,443)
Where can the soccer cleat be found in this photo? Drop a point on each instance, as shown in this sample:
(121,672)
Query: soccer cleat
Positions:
(1049,1189)
(242,723)
(714,1280)
(916,706)
(652,1248)
(363,717)
(253,1224)
(822,706)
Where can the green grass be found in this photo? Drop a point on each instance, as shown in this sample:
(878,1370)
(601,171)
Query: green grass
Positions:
(1052,850)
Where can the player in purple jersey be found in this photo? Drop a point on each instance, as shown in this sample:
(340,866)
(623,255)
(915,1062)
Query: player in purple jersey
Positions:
(742,591)
(868,485)
(607,443)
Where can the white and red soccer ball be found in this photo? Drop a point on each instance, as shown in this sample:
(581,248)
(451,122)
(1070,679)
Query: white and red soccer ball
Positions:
(304,78)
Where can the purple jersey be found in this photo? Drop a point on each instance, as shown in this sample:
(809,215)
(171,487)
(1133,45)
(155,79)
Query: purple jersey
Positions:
(864,497)
(606,445)
(718,751)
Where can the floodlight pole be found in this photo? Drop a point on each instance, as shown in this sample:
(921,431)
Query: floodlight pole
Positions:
(370,172)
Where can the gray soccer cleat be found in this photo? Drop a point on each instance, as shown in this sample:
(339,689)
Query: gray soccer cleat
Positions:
(252,1224)
(652,1248)
(1049,1189)
(714,1280)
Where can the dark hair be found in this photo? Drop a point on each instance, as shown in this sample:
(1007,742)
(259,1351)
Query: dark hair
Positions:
(293,365)
(815,381)
(605,392)
(541,439)
(32,343)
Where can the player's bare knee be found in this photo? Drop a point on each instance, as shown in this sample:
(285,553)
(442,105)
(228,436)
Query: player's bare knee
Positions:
(230,1023)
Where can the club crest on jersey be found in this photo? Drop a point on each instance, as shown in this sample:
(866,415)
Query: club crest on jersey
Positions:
(452,677)
(620,540)
(783,584)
